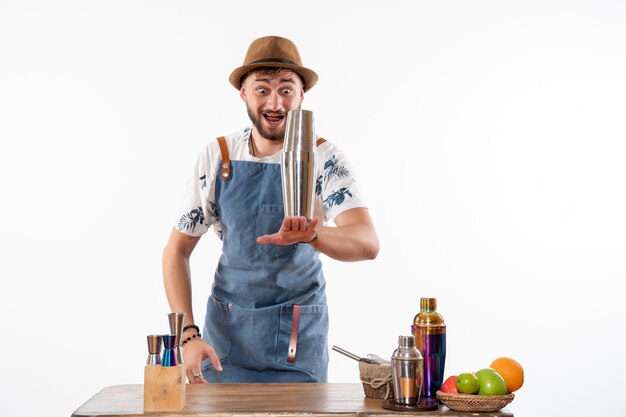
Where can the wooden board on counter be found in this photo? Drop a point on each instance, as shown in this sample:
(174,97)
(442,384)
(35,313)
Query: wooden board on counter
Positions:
(239,400)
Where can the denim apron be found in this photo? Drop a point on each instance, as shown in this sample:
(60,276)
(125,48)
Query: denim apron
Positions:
(250,313)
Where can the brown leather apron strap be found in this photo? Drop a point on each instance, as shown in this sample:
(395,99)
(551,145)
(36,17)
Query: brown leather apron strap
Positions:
(293,342)
(225,158)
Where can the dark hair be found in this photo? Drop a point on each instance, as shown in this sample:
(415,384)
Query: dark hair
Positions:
(269,71)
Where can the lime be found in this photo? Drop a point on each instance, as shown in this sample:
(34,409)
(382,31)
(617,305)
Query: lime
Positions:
(491,382)
(467,383)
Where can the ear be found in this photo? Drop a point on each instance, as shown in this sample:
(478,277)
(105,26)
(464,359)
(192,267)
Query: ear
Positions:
(242,92)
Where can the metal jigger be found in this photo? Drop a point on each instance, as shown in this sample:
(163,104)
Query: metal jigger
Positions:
(177,322)
(298,164)
(154,349)
(169,354)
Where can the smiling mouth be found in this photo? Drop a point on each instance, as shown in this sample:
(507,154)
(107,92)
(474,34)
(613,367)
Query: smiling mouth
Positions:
(273,119)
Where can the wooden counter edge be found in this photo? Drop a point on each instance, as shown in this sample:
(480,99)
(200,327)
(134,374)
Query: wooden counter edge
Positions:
(111,391)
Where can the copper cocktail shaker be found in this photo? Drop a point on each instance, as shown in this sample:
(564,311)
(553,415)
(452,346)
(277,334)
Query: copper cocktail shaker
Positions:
(298,164)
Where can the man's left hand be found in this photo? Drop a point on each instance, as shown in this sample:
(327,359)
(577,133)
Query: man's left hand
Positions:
(293,230)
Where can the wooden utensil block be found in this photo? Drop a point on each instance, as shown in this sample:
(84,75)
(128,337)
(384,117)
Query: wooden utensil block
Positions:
(164,388)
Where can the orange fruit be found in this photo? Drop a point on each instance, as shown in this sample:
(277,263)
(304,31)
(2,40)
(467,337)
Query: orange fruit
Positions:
(511,371)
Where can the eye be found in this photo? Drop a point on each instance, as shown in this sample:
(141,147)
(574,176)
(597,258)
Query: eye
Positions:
(287,90)
(261,90)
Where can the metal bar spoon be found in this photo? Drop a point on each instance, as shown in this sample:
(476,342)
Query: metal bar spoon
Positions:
(353,356)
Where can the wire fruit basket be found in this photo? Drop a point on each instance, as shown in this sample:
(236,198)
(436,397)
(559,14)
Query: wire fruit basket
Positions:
(468,402)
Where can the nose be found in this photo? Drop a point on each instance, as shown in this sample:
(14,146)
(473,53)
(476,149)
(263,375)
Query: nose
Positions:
(274,101)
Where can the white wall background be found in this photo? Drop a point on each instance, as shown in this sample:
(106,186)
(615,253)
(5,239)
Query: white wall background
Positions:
(489,136)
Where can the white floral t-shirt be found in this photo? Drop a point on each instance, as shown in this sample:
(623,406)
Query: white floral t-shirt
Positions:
(336,187)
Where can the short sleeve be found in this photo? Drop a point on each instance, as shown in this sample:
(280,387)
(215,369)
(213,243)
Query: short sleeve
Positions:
(336,185)
(197,210)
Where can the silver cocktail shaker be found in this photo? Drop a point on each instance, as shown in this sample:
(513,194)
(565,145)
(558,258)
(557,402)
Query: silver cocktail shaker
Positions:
(298,164)
(406,371)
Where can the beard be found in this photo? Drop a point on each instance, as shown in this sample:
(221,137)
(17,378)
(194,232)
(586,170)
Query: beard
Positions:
(274,134)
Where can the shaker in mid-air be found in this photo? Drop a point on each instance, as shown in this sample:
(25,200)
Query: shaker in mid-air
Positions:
(298,164)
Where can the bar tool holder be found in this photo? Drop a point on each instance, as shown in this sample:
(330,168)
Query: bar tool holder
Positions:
(154,349)
(177,322)
(164,385)
(164,388)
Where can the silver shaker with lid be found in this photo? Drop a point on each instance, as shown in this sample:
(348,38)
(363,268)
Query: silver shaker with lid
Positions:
(407,367)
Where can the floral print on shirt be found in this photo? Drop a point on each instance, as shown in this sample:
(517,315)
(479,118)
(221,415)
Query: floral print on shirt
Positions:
(189,220)
(332,168)
(336,198)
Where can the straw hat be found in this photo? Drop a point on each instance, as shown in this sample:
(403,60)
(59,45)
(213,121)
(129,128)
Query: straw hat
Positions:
(276,52)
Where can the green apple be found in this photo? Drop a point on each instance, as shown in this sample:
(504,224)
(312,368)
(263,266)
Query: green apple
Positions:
(467,383)
(491,382)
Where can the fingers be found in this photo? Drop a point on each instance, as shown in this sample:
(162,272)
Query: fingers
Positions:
(195,377)
(214,359)
(314,222)
(194,353)
(299,223)
(275,239)
(312,230)
(294,223)
(291,231)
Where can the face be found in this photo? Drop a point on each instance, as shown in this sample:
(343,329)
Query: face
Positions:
(269,97)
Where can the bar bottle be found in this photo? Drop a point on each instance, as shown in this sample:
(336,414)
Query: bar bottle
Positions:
(429,330)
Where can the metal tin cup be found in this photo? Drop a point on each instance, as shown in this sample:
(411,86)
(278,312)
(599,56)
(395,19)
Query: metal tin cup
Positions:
(154,349)
(298,164)
(177,322)
(406,371)
(169,350)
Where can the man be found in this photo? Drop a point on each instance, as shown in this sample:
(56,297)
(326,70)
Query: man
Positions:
(266,319)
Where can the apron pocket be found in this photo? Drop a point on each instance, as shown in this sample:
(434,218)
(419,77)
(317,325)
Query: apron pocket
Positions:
(216,331)
(270,221)
(312,345)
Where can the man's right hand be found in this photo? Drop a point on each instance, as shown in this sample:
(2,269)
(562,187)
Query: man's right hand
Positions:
(194,352)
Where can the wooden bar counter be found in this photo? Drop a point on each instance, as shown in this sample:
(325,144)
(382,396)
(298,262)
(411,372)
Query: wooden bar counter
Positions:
(256,400)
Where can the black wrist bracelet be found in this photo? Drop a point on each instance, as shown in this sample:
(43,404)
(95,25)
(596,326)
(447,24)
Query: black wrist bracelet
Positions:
(191,326)
(190,338)
(314,238)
